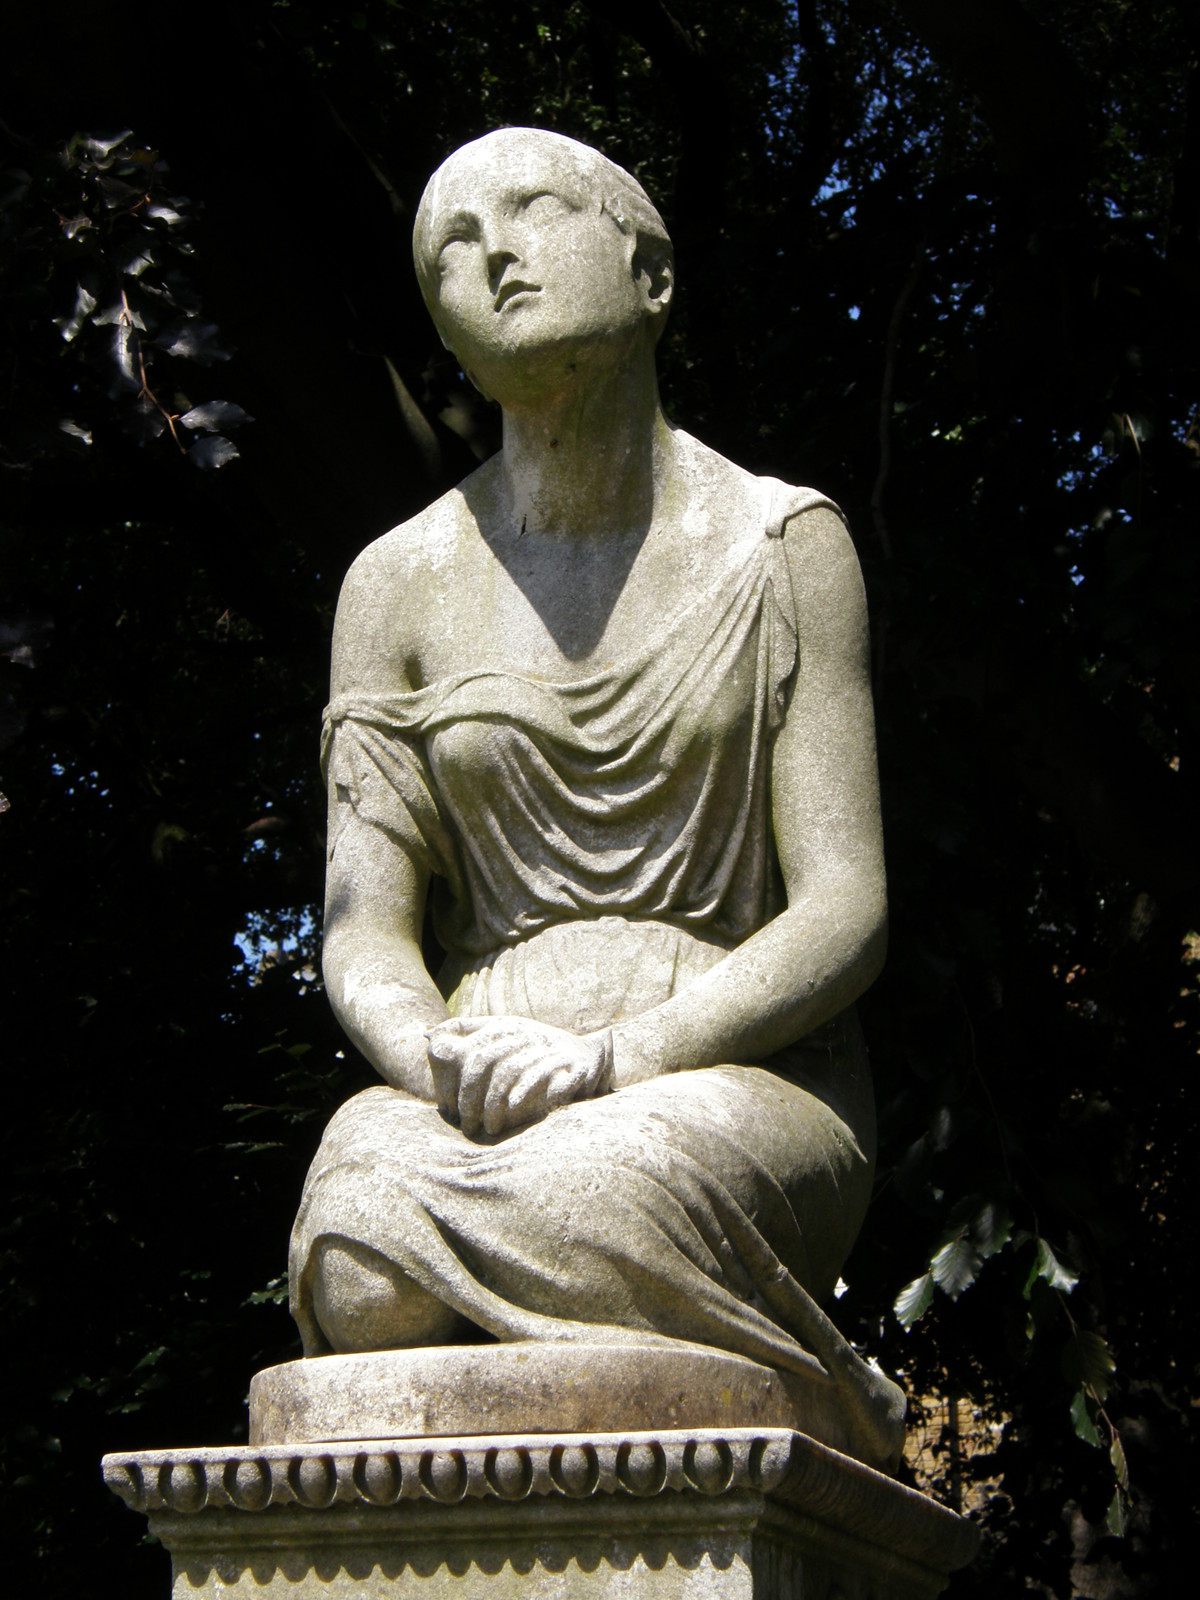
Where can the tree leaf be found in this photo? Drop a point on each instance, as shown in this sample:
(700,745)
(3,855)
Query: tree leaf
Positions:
(914,1300)
(956,1265)
(117,193)
(101,145)
(214,414)
(991,1229)
(1116,1454)
(1117,1514)
(1047,1265)
(194,340)
(124,353)
(212,452)
(117,313)
(85,304)
(1087,1361)
(1081,1420)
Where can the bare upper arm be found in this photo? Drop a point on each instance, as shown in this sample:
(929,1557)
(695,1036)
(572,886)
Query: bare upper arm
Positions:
(825,784)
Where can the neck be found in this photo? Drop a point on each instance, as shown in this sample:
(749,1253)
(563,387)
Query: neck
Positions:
(591,459)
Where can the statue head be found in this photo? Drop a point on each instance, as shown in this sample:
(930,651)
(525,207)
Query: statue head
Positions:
(526,240)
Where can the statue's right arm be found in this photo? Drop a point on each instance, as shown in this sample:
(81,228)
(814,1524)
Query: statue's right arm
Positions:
(378,984)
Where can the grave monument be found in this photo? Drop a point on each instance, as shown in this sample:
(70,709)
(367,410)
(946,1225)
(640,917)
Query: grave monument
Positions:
(559,1276)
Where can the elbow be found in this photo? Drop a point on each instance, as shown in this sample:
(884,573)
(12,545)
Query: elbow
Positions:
(868,949)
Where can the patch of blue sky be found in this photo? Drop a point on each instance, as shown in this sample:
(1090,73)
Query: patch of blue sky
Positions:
(288,936)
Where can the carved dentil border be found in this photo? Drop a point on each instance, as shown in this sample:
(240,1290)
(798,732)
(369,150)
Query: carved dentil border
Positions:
(788,1466)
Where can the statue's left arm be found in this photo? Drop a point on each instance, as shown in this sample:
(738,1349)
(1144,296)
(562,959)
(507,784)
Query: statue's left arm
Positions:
(816,957)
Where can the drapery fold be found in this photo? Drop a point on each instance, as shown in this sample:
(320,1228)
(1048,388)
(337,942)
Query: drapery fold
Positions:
(595,846)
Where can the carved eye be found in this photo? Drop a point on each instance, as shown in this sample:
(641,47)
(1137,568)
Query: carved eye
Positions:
(544,205)
(450,249)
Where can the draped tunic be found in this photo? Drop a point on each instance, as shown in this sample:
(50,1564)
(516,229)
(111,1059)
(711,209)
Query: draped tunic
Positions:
(594,846)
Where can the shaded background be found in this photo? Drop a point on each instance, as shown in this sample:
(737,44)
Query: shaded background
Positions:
(941,260)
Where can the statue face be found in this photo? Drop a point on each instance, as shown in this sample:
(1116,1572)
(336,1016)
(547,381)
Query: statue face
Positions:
(527,268)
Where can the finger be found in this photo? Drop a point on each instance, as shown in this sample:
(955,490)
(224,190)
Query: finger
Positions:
(472,1095)
(446,1049)
(445,1085)
(525,1101)
(498,1113)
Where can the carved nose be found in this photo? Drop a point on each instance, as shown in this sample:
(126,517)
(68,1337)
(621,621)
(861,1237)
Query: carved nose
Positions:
(498,259)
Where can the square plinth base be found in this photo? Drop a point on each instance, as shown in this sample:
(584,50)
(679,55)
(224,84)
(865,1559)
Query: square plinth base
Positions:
(740,1514)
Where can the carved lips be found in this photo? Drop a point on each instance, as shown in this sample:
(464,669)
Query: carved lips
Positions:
(510,290)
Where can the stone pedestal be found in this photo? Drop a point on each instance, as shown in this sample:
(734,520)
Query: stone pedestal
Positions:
(528,1387)
(484,1472)
(678,1514)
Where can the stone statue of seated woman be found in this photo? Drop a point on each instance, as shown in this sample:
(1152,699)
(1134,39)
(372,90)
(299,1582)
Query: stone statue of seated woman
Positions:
(607,702)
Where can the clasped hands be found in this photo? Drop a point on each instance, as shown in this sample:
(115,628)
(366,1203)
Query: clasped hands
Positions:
(491,1074)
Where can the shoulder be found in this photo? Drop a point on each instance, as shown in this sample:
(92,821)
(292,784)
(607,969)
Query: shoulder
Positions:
(811,525)
(416,550)
(398,582)
(816,538)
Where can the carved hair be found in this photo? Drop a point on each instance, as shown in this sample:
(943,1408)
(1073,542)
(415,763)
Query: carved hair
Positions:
(620,195)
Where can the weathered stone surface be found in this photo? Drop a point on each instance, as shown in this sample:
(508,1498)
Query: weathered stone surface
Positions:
(608,704)
(532,1388)
(740,1514)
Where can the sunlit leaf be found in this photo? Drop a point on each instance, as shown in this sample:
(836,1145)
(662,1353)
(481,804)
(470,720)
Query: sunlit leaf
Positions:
(214,414)
(275,1293)
(955,1265)
(120,311)
(212,452)
(101,145)
(125,355)
(1047,1265)
(914,1300)
(85,304)
(138,263)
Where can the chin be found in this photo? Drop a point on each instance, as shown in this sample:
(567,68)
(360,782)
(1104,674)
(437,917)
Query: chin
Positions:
(538,362)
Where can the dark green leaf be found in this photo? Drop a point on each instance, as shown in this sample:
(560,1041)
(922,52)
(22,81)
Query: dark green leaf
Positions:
(1116,1454)
(1117,1514)
(1087,1360)
(1081,1419)
(991,1229)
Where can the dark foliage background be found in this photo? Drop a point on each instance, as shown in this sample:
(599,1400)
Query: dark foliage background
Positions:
(942,260)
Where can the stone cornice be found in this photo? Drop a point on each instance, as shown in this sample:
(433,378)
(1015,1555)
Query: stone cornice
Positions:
(788,1468)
